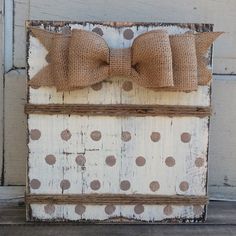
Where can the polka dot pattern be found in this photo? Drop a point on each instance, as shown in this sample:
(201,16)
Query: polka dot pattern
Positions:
(128,34)
(185,137)
(184,186)
(139,209)
(127,86)
(98,31)
(80,209)
(155,136)
(110,209)
(35,134)
(49,209)
(170,161)
(80,160)
(50,159)
(97,87)
(95,185)
(65,184)
(35,184)
(125,185)
(154,186)
(66,135)
(197,210)
(110,160)
(126,136)
(96,135)
(199,162)
(168,210)
(140,161)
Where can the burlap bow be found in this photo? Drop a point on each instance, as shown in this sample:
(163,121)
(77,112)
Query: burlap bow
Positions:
(155,60)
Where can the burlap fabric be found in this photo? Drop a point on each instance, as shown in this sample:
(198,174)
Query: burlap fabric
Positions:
(155,60)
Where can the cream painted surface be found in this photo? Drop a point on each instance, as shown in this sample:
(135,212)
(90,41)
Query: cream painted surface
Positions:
(151,213)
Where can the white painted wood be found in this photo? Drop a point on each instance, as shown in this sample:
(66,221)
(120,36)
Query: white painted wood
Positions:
(8,35)
(111,128)
(138,95)
(151,213)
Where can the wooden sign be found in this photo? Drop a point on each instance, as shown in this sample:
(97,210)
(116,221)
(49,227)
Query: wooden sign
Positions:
(115,151)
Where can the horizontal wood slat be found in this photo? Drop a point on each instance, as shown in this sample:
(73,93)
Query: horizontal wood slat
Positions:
(119,199)
(117,110)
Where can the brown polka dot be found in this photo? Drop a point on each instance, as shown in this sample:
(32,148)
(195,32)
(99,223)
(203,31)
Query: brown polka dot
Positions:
(65,184)
(49,209)
(125,185)
(66,135)
(110,160)
(96,135)
(139,209)
(127,86)
(109,209)
(199,162)
(168,210)
(155,136)
(170,161)
(125,136)
(185,137)
(80,160)
(197,210)
(154,186)
(97,86)
(140,161)
(128,34)
(35,184)
(35,134)
(80,209)
(98,31)
(184,186)
(34,86)
(95,185)
(50,159)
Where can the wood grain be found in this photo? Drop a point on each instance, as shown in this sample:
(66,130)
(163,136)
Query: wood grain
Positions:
(122,199)
(117,110)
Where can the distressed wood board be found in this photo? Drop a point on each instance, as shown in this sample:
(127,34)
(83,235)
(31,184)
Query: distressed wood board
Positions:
(87,154)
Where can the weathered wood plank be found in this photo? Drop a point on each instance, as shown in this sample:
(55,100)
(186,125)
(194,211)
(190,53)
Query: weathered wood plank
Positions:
(118,110)
(1,92)
(15,138)
(121,199)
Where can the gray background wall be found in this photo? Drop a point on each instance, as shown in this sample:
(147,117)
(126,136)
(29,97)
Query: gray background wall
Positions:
(222,157)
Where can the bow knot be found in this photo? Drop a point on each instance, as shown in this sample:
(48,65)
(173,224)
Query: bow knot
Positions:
(120,62)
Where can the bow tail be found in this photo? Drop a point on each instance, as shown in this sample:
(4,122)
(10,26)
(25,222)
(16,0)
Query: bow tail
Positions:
(43,78)
(203,42)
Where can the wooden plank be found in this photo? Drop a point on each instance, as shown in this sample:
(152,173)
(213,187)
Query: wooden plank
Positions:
(120,199)
(15,128)
(222,175)
(1,92)
(118,110)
